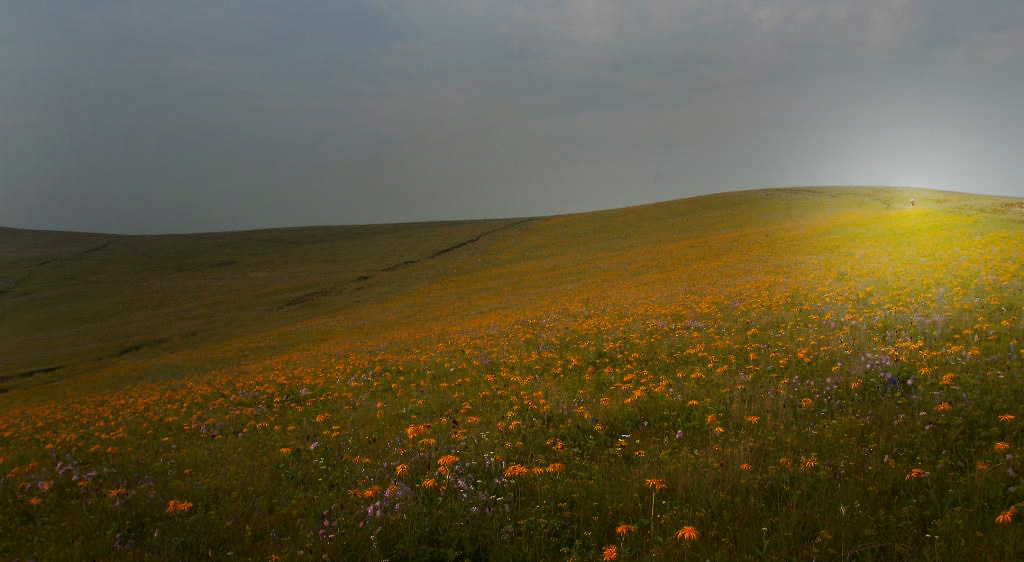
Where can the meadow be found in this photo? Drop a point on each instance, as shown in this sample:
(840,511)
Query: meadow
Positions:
(785,374)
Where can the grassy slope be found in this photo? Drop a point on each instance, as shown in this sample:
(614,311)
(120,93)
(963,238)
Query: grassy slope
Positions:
(83,302)
(835,274)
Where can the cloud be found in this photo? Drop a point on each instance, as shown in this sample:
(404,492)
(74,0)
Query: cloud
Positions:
(375,110)
(999,46)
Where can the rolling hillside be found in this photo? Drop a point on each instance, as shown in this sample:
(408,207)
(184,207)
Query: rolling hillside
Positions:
(76,304)
(781,374)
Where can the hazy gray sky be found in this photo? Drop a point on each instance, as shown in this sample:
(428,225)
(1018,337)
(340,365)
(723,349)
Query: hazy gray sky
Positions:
(192,115)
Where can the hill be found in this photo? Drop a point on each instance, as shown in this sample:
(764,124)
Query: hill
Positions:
(778,374)
(77,303)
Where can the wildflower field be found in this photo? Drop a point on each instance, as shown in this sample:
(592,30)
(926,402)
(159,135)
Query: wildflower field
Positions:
(783,374)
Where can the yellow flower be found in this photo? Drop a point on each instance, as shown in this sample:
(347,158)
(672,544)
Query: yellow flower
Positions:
(401,469)
(609,553)
(688,532)
(429,483)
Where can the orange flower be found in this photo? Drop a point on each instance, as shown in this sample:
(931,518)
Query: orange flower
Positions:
(753,419)
(809,462)
(1001,446)
(609,553)
(981,465)
(806,402)
(915,473)
(429,483)
(747,466)
(1007,516)
(174,506)
(623,529)
(401,469)
(944,407)
(556,467)
(35,501)
(688,532)
(285,450)
(416,430)
(1006,417)
(516,470)
(656,483)
(116,492)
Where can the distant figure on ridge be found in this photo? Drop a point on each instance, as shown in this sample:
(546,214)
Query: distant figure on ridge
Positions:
(911,201)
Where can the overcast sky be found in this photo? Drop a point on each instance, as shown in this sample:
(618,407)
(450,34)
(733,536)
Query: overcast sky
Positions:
(152,116)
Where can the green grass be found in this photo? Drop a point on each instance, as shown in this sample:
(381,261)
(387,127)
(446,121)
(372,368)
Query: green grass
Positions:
(799,373)
(83,302)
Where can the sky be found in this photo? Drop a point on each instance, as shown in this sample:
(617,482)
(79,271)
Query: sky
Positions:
(156,116)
